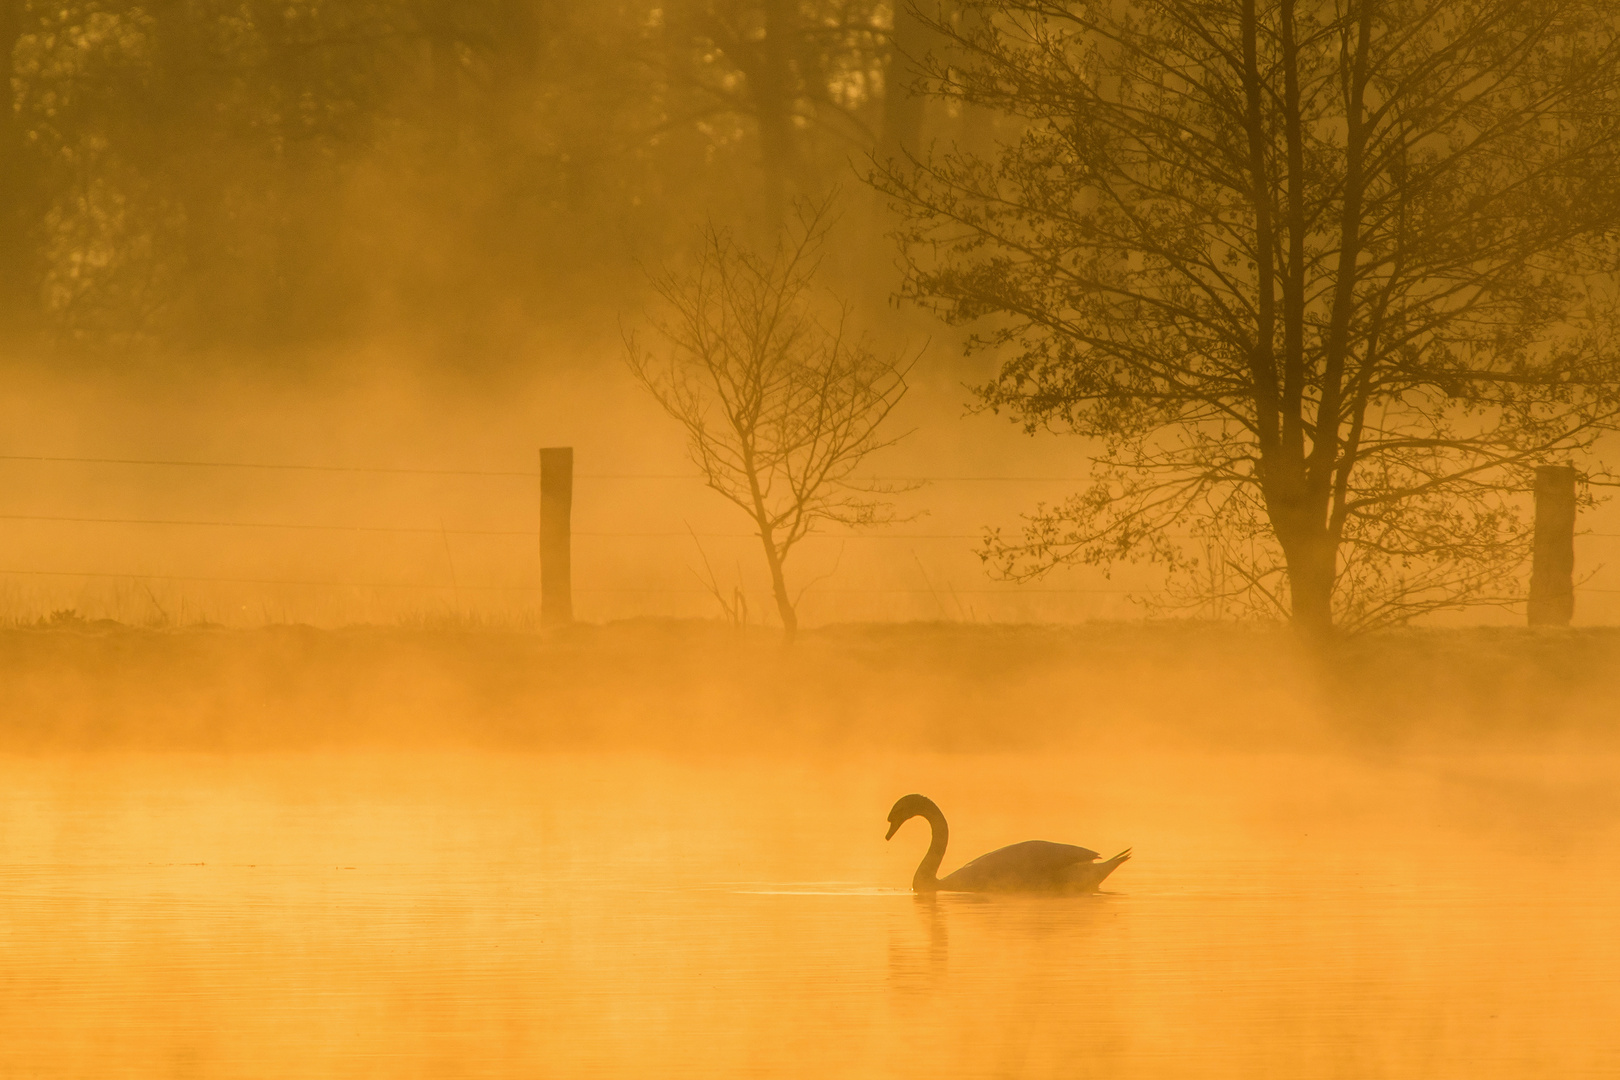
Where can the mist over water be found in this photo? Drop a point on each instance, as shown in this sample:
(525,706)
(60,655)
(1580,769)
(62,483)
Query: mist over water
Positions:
(625,851)
(611,915)
(339,830)
(296,779)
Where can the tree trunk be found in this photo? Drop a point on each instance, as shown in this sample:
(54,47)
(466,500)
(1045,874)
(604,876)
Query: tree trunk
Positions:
(902,103)
(1312,564)
(444,79)
(1299,520)
(19,209)
(784,606)
(773,98)
(974,123)
(767,537)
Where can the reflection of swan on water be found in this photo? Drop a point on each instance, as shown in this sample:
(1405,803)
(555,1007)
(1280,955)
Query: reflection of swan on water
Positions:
(920,963)
(1033,866)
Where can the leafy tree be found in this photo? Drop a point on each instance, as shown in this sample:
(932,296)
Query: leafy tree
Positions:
(1323,280)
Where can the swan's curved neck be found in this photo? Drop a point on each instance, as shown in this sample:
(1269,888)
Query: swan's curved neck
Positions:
(926,879)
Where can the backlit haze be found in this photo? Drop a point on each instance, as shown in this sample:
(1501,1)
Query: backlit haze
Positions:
(295,781)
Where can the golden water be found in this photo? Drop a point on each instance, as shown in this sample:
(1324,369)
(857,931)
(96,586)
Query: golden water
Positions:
(468,915)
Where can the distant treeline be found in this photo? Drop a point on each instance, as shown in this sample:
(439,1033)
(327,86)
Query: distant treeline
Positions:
(250,175)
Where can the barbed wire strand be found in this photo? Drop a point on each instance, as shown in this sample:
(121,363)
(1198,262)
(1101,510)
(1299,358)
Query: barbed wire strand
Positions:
(528,533)
(531,474)
(525,533)
(1017,591)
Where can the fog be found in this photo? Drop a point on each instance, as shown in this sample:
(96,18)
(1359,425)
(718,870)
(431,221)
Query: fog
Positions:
(329,830)
(658,847)
(467,546)
(383,530)
(1201,530)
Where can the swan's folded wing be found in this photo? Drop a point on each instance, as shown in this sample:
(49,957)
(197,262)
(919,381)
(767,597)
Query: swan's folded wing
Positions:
(1034,864)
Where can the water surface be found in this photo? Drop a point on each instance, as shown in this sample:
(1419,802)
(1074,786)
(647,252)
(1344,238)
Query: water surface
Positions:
(367,914)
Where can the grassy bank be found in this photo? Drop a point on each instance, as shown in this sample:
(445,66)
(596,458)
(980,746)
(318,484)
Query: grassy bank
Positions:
(699,686)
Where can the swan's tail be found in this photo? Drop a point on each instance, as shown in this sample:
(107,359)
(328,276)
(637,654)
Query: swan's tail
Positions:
(1109,866)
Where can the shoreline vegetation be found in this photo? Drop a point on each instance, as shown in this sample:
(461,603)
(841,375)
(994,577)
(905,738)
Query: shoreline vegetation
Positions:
(697,686)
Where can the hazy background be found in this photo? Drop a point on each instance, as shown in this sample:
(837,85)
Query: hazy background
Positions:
(410,235)
(380,546)
(292,293)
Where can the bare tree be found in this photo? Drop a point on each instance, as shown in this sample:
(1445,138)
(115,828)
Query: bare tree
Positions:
(1323,280)
(780,399)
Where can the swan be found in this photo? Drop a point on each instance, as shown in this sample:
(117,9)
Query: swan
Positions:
(1033,866)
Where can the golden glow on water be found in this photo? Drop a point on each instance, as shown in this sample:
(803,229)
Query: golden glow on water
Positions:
(373,914)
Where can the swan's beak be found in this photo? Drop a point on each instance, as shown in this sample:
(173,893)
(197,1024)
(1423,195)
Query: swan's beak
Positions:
(894,827)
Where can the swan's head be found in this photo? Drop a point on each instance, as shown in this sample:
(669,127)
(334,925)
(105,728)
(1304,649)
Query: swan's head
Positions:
(908,807)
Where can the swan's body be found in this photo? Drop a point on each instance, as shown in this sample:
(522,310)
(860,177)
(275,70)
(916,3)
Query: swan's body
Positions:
(1033,866)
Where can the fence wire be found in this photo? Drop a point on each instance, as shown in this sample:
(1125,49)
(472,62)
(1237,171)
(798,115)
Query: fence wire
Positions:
(528,533)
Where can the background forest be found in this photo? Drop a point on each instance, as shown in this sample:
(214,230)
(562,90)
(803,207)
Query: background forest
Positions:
(1312,290)
(249,177)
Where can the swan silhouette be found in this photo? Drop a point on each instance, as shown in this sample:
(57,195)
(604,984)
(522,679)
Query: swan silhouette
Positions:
(1033,866)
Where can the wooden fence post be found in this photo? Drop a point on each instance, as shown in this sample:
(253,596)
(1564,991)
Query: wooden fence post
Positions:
(556,510)
(1552,569)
